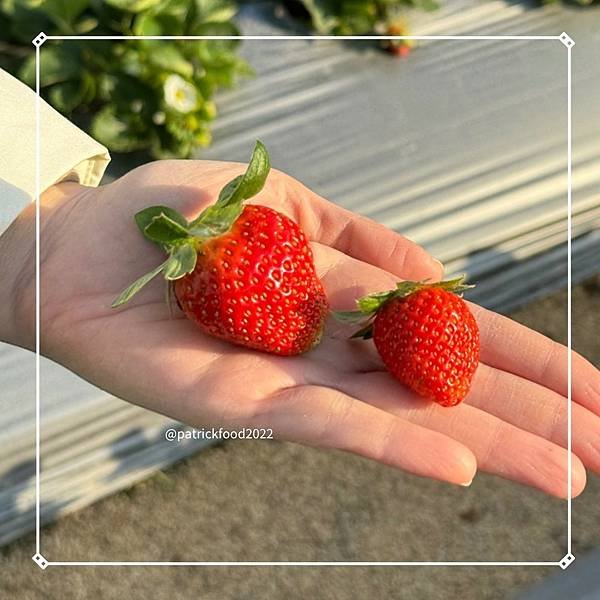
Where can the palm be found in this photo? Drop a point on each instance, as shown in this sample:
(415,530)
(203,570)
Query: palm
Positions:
(513,422)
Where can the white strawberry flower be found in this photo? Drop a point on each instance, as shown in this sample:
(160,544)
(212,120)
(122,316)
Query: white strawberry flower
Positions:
(180,94)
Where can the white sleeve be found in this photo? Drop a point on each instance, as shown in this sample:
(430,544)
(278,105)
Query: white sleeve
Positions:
(66,152)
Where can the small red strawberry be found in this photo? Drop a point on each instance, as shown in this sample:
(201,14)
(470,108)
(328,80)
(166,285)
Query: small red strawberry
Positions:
(244,274)
(426,336)
(398,47)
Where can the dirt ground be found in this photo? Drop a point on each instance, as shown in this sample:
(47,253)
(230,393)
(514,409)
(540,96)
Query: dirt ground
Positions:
(279,501)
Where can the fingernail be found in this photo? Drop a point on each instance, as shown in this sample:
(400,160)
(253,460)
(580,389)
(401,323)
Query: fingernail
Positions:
(467,484)
(439,263)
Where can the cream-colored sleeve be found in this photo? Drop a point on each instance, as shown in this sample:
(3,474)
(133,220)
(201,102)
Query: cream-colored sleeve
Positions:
(66,152)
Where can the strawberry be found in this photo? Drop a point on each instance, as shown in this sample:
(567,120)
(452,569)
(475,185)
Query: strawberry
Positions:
(244,274)
(398,47)
(426,336)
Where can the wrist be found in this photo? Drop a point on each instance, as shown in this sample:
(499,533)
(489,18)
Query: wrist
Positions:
(17,273)
(17,267)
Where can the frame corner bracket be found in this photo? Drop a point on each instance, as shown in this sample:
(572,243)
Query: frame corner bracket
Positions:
(566,40)
(566,561)
(40,561)
(39,39)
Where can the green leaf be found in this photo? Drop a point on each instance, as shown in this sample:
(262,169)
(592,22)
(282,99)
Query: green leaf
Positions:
(251,182)
(166,231)
(63,12)
(181,262)
(89,87)
(176,125)
(366,332)
(57,64)
(349,316)
(66,96)
(158,24)
(120,89)
(322,22)
(25,24)
(145,217)
(137,285)
(356,317)
(26,72)
(219,217)
(211,50)
(134,6)
(166,56)
(456,285)
(114,132)
(229,189)
(214,10)
(85,25)
(371,303)
(146,24)
(216,220)
(177,8)
(427,5)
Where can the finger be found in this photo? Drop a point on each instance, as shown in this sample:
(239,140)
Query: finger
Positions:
(499,447)
(345,278)
(537,409)
(361,238)
(321,220)
(342,274)
(327,418)
(517,349)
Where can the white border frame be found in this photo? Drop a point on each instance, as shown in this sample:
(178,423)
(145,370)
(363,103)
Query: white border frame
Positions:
(43,563)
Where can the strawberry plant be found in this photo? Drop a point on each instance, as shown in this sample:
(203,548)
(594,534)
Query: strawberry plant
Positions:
(355,17)
(158,96)
(360,17)
(155,96)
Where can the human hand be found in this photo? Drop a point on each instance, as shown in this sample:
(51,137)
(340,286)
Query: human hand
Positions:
(513,422)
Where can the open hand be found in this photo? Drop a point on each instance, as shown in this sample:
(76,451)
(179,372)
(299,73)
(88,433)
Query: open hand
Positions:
(513,423)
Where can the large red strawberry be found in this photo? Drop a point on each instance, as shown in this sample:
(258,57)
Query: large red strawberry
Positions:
(425,335)
(244,274)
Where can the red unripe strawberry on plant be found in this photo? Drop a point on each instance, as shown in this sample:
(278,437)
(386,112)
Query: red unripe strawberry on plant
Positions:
(426,336)
(244,274)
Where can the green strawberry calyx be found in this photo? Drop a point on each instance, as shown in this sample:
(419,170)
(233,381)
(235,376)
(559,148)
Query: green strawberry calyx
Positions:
(369,306)
(181,239)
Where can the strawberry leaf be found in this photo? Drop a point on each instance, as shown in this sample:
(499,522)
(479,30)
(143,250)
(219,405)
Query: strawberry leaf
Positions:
(251,182)
(229,189)
(373,302)
(356,317)
(137,285)
(166,231)
(216,220)
(170,230)
(368,306)
(181,262)
(456,285)
(349,316)
(366,332)
(219,217)
(144,217)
